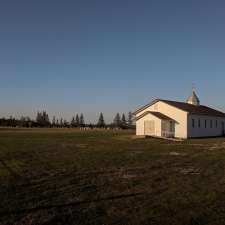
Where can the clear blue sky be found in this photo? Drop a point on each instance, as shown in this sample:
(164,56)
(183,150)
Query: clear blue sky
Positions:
(88,56)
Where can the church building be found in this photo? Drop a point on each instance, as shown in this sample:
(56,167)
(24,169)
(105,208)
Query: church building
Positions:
(172,119)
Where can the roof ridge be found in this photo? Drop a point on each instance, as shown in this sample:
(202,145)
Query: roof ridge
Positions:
(167,100)
(189,108)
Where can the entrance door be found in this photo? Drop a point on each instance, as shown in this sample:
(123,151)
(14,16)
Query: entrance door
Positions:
(168,129)
(149,127)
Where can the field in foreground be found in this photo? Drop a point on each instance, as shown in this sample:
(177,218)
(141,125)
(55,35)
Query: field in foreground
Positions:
(107,177)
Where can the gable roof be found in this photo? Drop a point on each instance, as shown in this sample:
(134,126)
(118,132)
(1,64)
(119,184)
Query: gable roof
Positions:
(191,109)
(156,114)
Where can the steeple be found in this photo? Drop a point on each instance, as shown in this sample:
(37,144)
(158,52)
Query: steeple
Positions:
(193,99)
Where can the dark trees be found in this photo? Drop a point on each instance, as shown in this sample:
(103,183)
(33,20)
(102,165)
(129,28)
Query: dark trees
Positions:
(77,121)
(101,121)
(42,119)
(73,122)
(82,123)
(117,120)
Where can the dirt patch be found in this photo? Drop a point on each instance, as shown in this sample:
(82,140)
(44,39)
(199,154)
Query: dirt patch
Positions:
(177,154)
(197,145)
(137,136)
(123,137)
(219,146)
(129,176)
(136,152)
(81,145)
(190,170)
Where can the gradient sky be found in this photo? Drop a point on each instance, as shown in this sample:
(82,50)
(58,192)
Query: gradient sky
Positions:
(73,56)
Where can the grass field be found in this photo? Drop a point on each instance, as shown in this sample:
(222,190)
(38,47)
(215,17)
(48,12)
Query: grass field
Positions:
(63,176)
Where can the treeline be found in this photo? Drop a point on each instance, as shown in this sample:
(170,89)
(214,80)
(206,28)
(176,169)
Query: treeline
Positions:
(22,122)
(78,121)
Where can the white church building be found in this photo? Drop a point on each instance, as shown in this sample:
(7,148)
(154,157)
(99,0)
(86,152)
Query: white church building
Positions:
(165,118)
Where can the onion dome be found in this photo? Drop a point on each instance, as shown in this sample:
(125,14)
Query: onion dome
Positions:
(193,99)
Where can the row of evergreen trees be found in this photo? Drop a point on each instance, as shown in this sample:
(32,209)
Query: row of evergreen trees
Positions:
(122,121)
(42,120)
(22,122)
(77,121)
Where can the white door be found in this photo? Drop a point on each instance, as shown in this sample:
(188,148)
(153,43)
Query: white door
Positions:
(149,127)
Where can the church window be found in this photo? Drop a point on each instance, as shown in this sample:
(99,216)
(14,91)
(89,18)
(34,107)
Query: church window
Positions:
(199,123)
(205,123)
(216,123)
(211,124)
(193,123)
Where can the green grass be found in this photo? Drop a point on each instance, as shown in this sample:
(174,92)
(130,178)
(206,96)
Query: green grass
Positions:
(63,176)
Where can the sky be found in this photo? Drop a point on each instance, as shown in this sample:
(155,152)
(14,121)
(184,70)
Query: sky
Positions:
(92,56)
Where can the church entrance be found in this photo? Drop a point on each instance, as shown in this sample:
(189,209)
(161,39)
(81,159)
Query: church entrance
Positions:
(168,128)
(149,127)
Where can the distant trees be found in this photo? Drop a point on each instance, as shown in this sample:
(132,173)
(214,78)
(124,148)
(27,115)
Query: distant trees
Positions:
(130,119)
(73,122)
(122,122)
(117,120)
(101,121)
(42,119)
(78,121)
(82,123)
(22,122)
(53,121)
(61,122)
(25,121)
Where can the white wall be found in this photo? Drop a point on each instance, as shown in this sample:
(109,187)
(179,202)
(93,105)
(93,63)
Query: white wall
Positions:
(178,115)
(140,125)
(202,131)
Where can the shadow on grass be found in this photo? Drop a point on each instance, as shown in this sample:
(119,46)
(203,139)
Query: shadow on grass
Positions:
(73,204)
(9,169)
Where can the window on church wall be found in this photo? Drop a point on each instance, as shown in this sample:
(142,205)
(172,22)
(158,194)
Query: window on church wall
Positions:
(193,123)
(211,124)
(199,123)
(205,123)
(216,123)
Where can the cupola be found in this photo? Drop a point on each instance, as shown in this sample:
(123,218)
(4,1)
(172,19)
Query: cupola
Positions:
(193,99)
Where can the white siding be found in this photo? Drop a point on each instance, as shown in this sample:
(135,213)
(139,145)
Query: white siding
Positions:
(178,115)
(203,131)
(140,125)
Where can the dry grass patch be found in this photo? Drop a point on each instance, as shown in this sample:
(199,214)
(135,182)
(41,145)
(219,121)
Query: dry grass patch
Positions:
(75,177)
